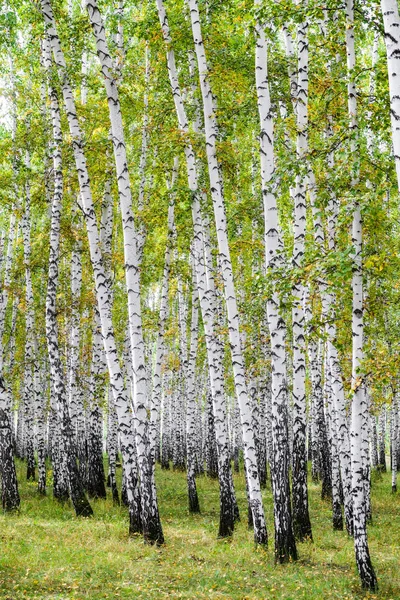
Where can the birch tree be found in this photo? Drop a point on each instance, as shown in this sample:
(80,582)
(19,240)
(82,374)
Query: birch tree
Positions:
(391,23)
(285,546)
(228,510)
(358,431)
(211,135)
(150,529)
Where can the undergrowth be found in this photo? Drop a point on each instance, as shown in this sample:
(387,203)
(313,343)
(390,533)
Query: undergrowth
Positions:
(48,553)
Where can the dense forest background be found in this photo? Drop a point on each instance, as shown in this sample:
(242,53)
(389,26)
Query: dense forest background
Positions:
(199,223)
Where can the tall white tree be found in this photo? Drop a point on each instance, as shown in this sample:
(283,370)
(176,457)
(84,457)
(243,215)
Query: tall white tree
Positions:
(285,545)
(391,23)
(76,489)
(103,296)
(359,409)
(150,514)
(214,172)
(206,291)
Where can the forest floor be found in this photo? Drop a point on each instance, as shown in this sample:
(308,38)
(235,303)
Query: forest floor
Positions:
(48,553)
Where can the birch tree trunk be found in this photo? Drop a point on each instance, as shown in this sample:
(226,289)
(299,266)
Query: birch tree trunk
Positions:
(337,517)
(8,476)
(41,424)
(150,514)
(29,395)
(141,233)
(210,124)
(358,431)
(382,438)
(6,281)
(340,424)
(391,23)
(194,506)
(374,443)
(285,545)
(94,438)
(228,507)
(301,518)
(394,434)
(163,314)
(9,484)
(76,489)
(103,297)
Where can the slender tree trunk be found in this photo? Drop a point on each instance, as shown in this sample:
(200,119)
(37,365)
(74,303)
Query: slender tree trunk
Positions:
(95,467)
(29,395)
(163,315)
(150,515)
(76,490)
(358,432)
(382,439)
(394,429)
(121,398)
(285,545)
(194,506)
(260,529)
(9,484)
(228,508)
(301,518)
(112,447)
(374,443)
(41,423)
(337,517)
(391,22)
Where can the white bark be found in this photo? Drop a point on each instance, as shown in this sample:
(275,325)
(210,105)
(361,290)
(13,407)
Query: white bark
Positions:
(163,314)
(301,519)
(211,134)
(339,403)
(151,520)
(394,436)
(391,22)
(141,234)
(206,296)
(121,398)
(358,431)
(8,259)
(191,402)
(285,547)
(29,394)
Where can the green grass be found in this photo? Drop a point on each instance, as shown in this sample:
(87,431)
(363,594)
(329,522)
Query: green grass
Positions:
(48,553)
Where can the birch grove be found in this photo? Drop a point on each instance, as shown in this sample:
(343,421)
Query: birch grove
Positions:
(199,263)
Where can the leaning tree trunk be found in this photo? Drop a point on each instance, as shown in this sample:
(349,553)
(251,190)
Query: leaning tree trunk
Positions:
(152,529)
(214,172)
(228,507)
(102,285)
